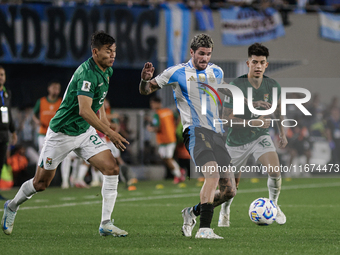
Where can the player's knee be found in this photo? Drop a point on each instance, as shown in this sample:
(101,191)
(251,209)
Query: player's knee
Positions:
(110,169)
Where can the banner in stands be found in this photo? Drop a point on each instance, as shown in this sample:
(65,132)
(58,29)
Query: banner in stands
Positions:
(45,34)
(245,26)
(177,18)
(330,26)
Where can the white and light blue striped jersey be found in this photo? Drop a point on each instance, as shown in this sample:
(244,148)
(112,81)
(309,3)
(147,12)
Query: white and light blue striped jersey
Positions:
(191,95)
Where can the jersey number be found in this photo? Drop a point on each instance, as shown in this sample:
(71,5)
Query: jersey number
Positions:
(265,143)
(95,139)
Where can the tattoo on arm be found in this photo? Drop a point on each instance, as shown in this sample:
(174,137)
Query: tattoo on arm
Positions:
(148,87)
(225,91)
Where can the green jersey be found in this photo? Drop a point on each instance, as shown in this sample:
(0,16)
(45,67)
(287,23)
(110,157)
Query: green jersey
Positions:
(88,80)
(243,135)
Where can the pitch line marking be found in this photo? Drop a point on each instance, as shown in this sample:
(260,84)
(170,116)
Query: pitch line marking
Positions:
(292,187)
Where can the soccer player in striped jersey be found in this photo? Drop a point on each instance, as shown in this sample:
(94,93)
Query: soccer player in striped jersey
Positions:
(73,129)
(244,141)
(202,139)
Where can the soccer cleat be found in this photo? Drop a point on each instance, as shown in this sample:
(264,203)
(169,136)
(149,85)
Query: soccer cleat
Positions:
(280,216)
(224,220)
(65,185)
(189,221)
(95,184)
(207,233)
(81,184)
(7,221)
(109,229)
(2,198)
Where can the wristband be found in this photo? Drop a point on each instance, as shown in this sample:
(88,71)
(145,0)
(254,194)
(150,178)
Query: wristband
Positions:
(144,80)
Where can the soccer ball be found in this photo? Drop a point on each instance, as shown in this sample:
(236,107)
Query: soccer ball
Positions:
(262,211)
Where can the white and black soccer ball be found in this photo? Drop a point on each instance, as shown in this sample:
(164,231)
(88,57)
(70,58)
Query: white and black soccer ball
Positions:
(262,211)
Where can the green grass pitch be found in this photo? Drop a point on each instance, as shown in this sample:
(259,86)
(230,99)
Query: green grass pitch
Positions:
(60,221)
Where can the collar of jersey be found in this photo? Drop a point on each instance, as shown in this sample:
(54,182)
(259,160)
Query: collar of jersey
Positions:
(100,71)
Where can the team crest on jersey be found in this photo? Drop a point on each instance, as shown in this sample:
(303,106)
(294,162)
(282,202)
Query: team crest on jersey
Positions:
(266,97)
(201,77)
(211,78)
(86,86)
(48,161)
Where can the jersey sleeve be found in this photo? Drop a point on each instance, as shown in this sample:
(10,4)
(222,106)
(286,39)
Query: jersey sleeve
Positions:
(219,74)
(36,108)
(155,120)
(228,101)
(166,77)
(86,84)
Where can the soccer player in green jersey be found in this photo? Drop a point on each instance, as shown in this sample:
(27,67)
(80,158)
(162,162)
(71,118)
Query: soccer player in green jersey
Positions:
(73,129)
(244,140)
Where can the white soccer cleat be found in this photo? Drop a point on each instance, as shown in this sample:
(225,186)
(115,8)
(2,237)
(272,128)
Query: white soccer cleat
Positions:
(65,185)
(189,221)
(207,233)
(280,216)
(109,229)
(224,220)
(7,221)
(95,184)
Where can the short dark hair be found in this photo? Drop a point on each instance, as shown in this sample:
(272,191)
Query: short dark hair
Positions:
(100,38)
(258,49)
(52,82)
(156,99)
(201,40)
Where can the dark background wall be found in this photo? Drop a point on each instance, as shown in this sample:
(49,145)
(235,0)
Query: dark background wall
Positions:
(28,82)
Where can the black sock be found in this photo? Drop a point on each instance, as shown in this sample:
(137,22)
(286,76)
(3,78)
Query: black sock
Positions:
(196,209)
(207,212)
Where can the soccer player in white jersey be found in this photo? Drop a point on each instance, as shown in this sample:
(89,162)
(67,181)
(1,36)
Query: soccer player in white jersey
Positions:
(73,129)
(203,141)
(244,141)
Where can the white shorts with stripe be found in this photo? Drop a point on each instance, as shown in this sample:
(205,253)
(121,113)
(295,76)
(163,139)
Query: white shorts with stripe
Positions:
(167,150)
(240,154)
(58,145)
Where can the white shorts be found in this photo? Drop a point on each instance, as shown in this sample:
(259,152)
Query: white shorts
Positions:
(58,145)
(240,154)
(167,150)
(114,150)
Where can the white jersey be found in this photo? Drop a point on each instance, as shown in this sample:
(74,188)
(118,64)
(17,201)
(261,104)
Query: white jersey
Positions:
(191,95)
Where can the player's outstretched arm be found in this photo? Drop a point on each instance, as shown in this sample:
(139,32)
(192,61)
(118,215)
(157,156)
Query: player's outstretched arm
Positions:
(90,117)
(146,85)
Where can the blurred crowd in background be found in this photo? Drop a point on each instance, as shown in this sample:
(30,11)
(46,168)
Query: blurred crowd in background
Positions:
(289,5)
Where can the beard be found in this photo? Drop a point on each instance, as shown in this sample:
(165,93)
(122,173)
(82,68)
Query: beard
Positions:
(197,65)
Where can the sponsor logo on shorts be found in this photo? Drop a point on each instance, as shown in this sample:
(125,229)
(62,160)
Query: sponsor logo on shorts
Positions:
(49,161)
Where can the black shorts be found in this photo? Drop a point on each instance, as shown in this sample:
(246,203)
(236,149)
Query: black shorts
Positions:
(205,145)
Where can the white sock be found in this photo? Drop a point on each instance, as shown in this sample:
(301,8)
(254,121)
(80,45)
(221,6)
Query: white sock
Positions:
(225,207)
(25,192)
(65,170)
(109,193)
(82,171)
(274,187)
(176,171)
